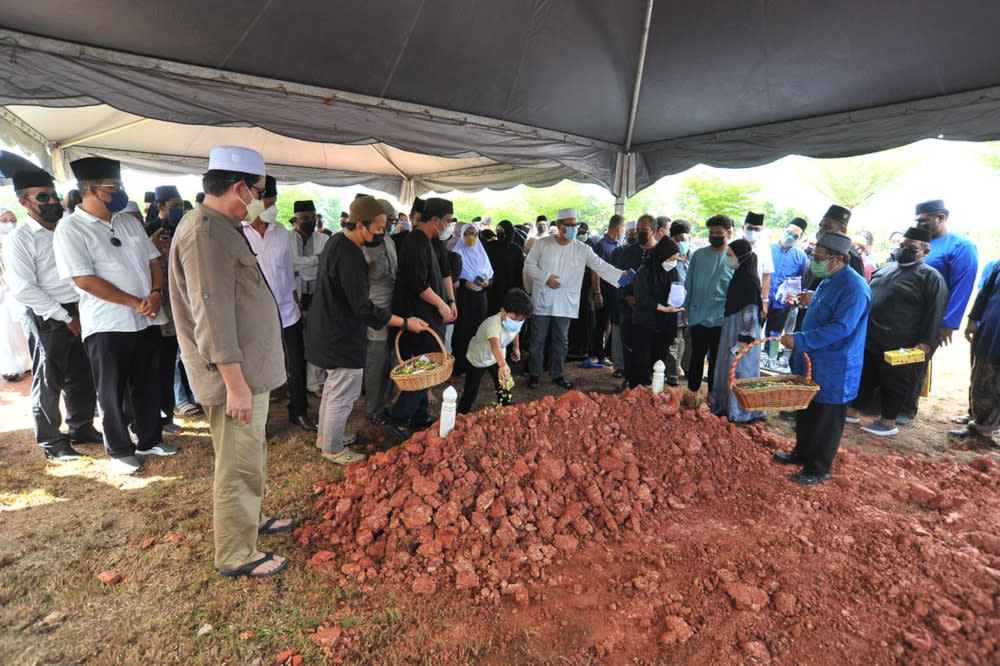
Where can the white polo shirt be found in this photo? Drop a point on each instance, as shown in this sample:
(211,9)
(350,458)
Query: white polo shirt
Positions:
(82,246)
(31,273)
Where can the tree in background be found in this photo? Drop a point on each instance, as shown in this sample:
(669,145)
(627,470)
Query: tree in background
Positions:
(777,218)
(702,195)
(328,205)
(852,181)
(989,155)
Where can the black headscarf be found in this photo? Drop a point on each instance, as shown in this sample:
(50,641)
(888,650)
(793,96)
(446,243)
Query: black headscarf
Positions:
(744,288)
(505,232)
(659,278)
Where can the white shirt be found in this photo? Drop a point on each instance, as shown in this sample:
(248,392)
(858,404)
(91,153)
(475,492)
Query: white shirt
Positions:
(31,272)
(305,259)
(82,246)
(548,257)
(765,260)
(274,254)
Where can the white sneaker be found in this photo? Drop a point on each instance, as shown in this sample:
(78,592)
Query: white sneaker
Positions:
(161,449)
(345,457)
(125,465)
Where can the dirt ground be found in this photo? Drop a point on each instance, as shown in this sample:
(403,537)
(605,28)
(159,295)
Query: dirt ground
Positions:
(765,572)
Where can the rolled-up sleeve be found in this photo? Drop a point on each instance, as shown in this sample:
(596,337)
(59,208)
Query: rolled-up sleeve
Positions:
(210,285)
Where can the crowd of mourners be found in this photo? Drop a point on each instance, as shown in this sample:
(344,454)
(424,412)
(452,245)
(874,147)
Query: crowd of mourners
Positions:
(218,310)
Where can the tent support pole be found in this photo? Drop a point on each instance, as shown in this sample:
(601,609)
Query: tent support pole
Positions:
(644,42)
(385,156)
(102,133)
(620,205)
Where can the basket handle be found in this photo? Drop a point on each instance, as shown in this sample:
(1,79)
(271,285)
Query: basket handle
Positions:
(740,353)
(429,330)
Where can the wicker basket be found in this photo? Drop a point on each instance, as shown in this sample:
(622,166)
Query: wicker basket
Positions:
(789,392)
(445,362)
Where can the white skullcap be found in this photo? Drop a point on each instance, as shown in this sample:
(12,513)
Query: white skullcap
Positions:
(131,207)
(238,159)
(566,213)
(630,225)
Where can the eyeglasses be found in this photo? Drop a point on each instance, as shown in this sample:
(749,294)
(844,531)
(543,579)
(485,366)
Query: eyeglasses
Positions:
(45,197)
(111,188)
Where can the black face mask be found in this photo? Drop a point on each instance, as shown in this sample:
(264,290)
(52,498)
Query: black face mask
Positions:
(375,241)
(642,237)
(716,241)
(904,255)
(50,213)
(308,228)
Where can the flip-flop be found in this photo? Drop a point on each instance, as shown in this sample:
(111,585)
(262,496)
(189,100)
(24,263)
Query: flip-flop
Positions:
(268,527)
(247,569)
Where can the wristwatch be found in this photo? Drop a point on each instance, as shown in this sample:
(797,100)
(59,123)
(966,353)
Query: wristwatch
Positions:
(156,291)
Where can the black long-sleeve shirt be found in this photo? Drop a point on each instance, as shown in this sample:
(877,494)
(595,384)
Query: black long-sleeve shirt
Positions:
(341,311)
(907,307)
(419,268)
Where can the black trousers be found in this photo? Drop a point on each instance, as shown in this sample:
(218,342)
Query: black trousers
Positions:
(600,345)
(911,403)
(295,367)
(776,319)
(818,429)
(625,327)
(472,306)
(894,381)
(126,371)
(59,366)
(704,341)
(473,378)
(648,347)
(167,361)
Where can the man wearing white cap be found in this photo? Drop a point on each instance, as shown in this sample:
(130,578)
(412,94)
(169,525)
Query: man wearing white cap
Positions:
(229,330)
(555,266)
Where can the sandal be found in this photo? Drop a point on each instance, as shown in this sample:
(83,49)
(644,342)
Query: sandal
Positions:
(188,410)
(247,569)
(268,527)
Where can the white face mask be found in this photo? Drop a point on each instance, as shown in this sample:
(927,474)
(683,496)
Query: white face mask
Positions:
(254,209)
(6,227)
(446,233)
(751,235)
(269,215)
(669,265)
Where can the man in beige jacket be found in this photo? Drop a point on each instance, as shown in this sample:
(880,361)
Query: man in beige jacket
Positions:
(229,332)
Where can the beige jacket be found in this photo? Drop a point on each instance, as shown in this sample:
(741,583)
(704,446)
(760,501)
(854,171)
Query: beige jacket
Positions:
(223,309)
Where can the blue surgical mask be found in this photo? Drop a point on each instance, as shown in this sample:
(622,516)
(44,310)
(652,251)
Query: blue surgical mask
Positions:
(118,201)
(684,246)
(174,215)
(512,325)
(570,233)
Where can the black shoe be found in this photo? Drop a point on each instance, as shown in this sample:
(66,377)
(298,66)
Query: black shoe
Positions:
(673,382)
(304,422)
(562,381)
(787,458)
(63,454)
(809,479)
(533,383)
(86,435)
(399,432)
(969,433)
(905,419)
(417,426)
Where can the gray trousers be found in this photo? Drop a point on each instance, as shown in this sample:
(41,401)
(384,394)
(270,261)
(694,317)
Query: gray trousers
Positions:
(558,347)
(378,386)
(341,390)
(680,355)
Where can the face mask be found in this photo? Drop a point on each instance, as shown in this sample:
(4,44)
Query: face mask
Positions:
(751,235)
(269,215)
(716,241)
(375,241)
(254,209)
(684,247)
(511,325)
(446,233)
(470,240)
(642,237)
(733,262)
(570,233)
(309,228)
(820,269)
(174,215)
(6,227)
(50,213)
(905,256)
(669,265)
(118,201)
(788,240)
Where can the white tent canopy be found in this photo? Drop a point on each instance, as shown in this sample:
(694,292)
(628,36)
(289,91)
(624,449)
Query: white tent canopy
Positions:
(410,95)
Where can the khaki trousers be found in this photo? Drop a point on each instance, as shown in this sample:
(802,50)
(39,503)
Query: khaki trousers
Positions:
(240,461)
